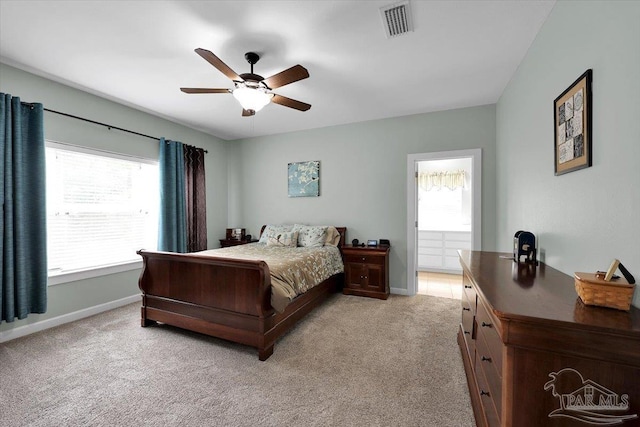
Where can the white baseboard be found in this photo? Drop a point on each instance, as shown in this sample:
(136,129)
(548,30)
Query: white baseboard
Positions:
(22,331)
(399,291)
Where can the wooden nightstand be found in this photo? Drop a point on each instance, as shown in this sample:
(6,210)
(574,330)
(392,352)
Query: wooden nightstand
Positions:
(366,271)
(225,243)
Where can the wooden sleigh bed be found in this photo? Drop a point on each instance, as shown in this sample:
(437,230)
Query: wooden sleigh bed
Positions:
(223,297)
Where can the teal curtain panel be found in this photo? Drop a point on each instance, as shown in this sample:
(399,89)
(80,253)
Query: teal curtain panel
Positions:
(172,233)
(23,235)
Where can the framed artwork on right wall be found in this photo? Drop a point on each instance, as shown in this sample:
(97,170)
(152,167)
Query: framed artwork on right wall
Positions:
(572,126)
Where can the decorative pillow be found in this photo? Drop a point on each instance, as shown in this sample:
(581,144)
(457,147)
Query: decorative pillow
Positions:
(289,238)
(272,230)
(332,236)
(310,235)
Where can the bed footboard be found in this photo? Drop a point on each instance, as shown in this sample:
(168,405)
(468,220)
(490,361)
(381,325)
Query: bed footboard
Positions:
(221,297)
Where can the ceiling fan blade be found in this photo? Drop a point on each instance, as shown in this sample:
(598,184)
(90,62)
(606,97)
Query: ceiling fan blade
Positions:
(217,62)
(291,103)
(293,74)
(203,90)
(248,113)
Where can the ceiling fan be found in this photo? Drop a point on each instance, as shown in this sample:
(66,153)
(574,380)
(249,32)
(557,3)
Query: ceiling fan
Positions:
(252,90)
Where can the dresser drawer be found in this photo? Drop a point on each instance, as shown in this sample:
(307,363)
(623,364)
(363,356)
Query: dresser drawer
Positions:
(467,318)
(364,259)
(484,362)
(488,329)
(431,252)
(487,400)
(469,293)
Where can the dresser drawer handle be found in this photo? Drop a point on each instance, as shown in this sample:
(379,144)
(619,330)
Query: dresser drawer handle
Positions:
(486,325)
(467,332)
(467,286)
(485,359)
(484,393)
(466,309)
(364,259)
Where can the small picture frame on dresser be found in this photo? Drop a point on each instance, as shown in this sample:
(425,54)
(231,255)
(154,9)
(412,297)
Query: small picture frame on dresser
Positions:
(236,233)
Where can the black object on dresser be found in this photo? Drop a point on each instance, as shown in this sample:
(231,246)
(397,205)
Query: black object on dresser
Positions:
(366,271)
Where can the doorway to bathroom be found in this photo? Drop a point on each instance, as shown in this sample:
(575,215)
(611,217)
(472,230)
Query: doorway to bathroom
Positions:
(444,203)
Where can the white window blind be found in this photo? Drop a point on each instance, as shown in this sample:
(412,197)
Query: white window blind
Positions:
(441,209)
(101,208)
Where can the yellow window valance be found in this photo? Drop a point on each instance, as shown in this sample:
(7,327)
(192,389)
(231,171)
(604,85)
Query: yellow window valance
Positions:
(437,180)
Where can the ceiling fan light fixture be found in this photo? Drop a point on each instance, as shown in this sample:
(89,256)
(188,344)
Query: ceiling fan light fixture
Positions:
(251,98)
(251,90)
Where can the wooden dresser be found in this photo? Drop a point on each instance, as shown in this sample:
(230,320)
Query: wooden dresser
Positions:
(535,355)
(366,271)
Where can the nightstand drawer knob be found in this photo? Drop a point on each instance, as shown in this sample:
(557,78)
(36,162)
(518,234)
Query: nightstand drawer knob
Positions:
(485,359)
(364,258)
(484,393)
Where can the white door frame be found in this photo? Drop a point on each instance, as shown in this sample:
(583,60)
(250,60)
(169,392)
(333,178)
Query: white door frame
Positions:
(412,205)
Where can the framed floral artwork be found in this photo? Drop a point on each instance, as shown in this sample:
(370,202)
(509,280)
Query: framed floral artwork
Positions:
(572,126)
(304,179)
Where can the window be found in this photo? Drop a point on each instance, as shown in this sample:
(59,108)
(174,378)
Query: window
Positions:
(101,208)
(441,209)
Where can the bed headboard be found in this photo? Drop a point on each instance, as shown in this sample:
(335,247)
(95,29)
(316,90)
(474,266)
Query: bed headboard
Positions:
(343,234)
(341,230)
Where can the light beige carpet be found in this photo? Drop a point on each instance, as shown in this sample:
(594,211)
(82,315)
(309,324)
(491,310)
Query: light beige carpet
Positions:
(352,362)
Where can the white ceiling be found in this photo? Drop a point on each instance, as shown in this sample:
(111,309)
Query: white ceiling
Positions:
(139,53)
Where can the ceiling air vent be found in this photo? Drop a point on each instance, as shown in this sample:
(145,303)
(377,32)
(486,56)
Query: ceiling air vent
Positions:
(396,19)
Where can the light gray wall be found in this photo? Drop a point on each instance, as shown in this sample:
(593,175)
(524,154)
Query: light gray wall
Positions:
(363,173)
(586,218)
(74,296)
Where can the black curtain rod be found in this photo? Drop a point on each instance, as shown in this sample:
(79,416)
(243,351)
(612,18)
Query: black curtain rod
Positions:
(101,124)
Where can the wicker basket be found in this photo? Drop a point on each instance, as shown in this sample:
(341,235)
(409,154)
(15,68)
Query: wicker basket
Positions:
(594,291)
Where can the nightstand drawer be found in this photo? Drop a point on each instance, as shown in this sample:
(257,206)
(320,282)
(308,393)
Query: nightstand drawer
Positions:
(364,259)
